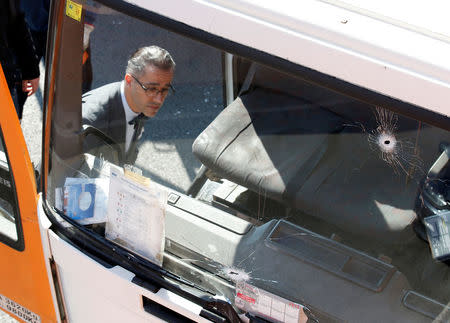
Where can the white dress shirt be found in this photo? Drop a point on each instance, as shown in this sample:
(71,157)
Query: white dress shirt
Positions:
(129,115)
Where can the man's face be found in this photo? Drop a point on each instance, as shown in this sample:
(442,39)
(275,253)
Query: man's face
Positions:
(156,82)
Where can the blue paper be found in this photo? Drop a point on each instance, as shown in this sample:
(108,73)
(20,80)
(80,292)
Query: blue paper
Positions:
(79,200)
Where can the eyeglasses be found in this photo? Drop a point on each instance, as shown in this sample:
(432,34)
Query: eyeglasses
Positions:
(153,91)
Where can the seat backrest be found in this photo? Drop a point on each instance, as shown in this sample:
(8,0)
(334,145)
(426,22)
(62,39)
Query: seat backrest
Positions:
(260,76)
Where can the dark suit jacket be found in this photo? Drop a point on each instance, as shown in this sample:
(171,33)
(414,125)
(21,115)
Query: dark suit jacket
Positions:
(103,109)
(17,52)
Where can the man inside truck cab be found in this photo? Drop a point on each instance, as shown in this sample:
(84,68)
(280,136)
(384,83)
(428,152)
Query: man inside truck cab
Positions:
(120,109)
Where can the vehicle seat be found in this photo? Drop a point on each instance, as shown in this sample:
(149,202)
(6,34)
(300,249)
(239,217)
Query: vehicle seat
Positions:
(283,146)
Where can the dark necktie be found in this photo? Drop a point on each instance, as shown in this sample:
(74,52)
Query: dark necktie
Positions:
(137,122)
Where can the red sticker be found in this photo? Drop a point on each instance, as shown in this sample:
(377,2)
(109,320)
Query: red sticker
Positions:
(246,298)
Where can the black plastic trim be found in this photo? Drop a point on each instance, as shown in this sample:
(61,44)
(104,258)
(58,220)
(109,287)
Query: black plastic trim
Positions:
(19,244)
(164,313)
(58,292)
(212,316)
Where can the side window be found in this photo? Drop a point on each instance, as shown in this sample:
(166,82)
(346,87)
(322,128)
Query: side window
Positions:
(10,230)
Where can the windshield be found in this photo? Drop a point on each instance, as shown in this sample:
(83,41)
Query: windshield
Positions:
(286,192)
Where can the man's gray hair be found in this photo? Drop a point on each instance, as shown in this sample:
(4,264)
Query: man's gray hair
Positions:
(150,55)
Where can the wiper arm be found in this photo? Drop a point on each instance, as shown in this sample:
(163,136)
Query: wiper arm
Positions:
(223,308)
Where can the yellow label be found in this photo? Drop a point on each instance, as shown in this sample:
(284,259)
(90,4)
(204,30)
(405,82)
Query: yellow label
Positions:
(145,181)
(73,10)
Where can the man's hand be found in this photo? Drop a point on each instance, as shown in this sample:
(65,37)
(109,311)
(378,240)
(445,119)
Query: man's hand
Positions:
(30,86)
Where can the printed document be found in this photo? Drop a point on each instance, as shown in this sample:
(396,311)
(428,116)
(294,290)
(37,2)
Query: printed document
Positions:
(136,216)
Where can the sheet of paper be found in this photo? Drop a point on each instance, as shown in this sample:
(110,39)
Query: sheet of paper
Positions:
(136,216)
(266,305)
(100,198)
(79,201)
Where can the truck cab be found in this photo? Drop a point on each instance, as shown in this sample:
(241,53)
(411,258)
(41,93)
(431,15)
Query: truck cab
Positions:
(298,173)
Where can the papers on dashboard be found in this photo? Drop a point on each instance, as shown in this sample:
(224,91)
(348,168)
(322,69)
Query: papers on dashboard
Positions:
(83,199)
(131,207)
(266,305)
(136,215)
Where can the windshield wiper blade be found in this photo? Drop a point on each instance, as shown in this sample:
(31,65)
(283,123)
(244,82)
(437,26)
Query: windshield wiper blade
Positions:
(223,308)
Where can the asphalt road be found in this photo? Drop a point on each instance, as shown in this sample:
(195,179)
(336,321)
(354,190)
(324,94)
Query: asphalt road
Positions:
(165,148)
